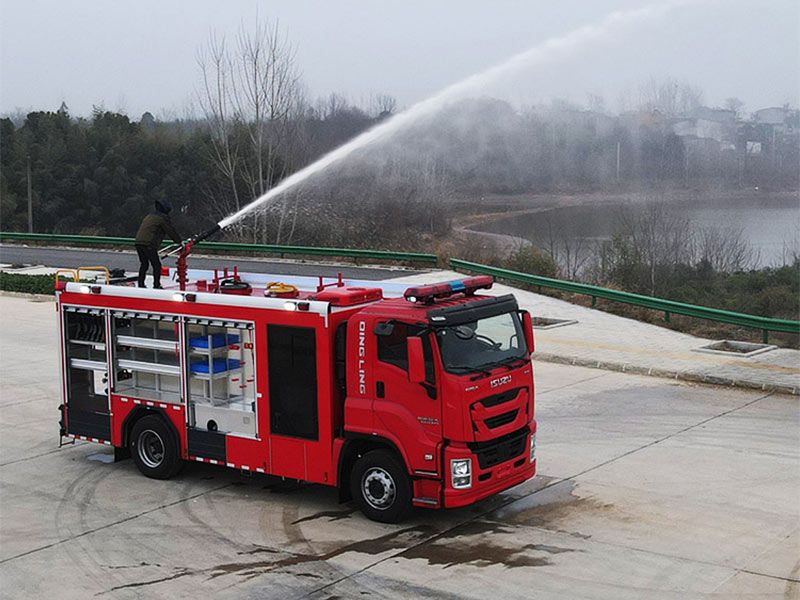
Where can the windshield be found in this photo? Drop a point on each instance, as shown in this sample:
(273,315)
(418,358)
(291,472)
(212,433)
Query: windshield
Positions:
(482,344)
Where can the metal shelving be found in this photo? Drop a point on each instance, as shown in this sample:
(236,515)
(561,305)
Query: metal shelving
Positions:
(148,367)
(149,343)
(99,346)
(146,345)
(216,376)
(89,365)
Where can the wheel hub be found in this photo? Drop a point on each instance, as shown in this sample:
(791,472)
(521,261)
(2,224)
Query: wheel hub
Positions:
(379,488)
(151,448)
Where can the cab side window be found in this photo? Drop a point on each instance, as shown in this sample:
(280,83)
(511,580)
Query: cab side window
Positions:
(392,347)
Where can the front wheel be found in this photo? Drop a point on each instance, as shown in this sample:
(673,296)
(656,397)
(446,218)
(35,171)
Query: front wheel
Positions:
(154,449)
(380,486)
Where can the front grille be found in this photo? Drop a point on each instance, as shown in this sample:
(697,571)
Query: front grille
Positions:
(499,450)
(496,399)
(500,420)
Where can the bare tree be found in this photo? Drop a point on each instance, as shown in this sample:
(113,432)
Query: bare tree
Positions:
(596,103)
(725,249)
(266,83)
(214,98)
(790,251)
(659,237)
(735,105)
(690,98)
(568,248)
(249,96)
(383,105)
(670,97)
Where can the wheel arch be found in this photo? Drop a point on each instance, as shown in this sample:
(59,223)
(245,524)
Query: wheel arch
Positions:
(139,413)
(355,446)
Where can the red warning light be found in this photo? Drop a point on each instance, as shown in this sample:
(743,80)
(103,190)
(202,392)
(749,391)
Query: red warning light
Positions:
(426,294)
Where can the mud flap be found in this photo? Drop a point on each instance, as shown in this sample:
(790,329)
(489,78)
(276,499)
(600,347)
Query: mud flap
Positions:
(88,424)
(206,444)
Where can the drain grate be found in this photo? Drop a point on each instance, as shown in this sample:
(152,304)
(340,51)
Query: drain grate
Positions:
(548,323)
(734,348)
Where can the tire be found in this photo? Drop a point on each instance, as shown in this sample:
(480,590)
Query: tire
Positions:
(154,448)
(380,487)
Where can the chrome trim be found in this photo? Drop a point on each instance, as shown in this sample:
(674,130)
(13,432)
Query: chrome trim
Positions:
(431,501)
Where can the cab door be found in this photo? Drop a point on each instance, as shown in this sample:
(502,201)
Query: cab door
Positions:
(408,413)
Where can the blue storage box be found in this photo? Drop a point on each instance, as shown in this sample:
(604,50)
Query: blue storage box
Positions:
(217,341)
(220,365)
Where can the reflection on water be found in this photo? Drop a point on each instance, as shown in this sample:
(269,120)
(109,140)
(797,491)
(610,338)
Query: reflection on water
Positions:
(771,225)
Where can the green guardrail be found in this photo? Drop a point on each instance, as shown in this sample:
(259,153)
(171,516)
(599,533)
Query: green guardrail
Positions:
(668,307)
(354,253)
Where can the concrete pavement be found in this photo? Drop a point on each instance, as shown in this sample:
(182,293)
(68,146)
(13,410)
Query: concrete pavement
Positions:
(648,488)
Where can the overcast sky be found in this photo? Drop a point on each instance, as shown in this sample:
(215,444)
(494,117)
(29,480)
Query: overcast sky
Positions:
(138,55)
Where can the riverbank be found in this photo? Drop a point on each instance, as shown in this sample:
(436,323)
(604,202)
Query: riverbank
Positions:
(769,222)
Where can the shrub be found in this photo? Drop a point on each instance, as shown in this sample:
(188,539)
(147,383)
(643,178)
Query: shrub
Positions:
(531,260)
(28,284)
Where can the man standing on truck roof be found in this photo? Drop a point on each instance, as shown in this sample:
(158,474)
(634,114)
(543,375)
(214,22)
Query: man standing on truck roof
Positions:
(151,232)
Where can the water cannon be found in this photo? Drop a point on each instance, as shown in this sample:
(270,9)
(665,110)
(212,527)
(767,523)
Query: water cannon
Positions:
(184,249)
(206,234)
(189,242)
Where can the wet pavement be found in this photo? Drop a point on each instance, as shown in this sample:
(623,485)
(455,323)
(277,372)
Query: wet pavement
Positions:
(648,488)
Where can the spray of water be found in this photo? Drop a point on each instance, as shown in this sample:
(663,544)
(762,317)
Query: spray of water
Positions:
(553,49)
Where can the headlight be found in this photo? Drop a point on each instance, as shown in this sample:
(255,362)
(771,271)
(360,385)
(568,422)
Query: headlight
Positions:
(533,447)
(461,472)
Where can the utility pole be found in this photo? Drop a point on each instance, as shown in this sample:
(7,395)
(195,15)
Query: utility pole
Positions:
(30,198)
(686,165)
(618,149)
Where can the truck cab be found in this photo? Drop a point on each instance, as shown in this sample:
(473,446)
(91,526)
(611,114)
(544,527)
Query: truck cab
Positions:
(444,376)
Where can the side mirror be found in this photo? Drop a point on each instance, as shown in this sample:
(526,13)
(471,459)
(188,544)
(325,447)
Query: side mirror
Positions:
(527,326)
(416,360)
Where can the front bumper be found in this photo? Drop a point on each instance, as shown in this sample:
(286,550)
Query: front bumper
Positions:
(490,480)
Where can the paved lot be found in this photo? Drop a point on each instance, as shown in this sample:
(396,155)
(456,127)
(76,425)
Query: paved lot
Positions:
(75,257)
(648,488)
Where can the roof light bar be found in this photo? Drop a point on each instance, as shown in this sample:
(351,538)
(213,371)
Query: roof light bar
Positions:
(426,294)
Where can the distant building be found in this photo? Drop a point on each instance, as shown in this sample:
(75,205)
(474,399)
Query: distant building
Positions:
(651,119)
(722,116)
(704,128)
(148,121)
(783,120)
(599,124)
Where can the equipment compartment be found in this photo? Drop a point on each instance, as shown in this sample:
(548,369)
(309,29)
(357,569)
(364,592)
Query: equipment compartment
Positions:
(221,372)
(87,407)
(147,356)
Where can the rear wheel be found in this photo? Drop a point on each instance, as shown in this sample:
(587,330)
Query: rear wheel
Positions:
(154,448)
(380,486)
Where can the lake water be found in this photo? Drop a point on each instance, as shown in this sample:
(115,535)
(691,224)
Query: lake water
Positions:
(771,224)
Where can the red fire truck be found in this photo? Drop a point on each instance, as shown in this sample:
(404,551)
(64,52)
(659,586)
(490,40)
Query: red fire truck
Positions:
(399,397)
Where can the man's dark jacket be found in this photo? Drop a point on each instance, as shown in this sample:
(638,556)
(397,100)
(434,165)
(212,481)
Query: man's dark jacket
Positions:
(153,229)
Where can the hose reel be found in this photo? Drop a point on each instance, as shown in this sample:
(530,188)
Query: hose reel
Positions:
(278,289)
